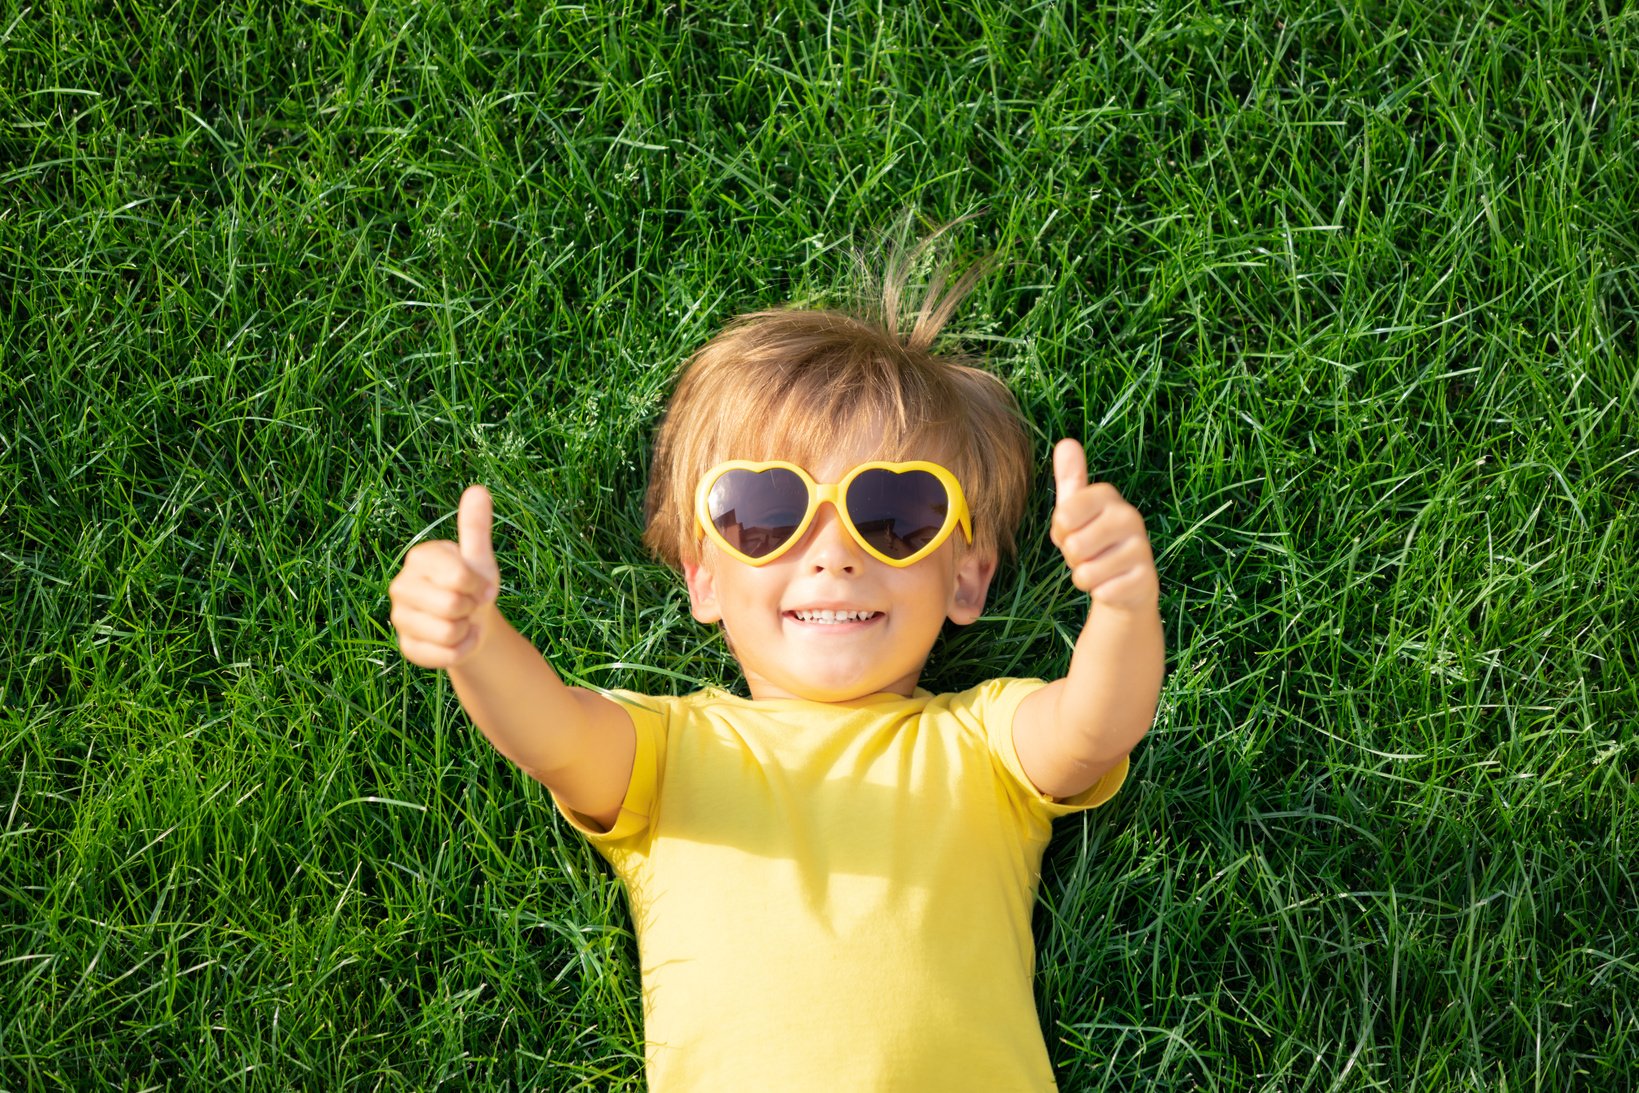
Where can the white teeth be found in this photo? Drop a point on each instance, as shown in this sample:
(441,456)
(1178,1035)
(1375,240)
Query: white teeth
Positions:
(833,617)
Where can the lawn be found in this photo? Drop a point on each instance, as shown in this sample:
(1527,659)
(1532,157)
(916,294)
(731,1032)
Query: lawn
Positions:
(1344,297)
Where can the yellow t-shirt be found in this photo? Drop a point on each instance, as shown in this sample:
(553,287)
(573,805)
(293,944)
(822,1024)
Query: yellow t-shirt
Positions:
(835,896)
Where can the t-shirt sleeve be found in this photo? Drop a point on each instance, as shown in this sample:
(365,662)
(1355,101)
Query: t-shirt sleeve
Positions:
(649,719)
(999,700)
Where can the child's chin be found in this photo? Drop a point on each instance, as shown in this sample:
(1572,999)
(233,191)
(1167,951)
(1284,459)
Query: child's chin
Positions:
(841,687)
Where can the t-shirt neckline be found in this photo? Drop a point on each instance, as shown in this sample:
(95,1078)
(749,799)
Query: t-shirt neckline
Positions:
(878,698)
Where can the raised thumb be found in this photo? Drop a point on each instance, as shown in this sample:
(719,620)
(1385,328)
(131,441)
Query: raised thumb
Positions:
(473,521)
(1069,466)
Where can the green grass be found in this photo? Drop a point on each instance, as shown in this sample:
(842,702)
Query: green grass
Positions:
(1344,299)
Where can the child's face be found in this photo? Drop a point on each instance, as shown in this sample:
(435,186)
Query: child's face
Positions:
(784,656)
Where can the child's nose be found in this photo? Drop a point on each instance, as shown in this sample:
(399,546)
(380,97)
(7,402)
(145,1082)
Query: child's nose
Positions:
(830,547)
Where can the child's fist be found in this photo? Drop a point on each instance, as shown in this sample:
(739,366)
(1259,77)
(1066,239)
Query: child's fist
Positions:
(1101,536)
(443,596)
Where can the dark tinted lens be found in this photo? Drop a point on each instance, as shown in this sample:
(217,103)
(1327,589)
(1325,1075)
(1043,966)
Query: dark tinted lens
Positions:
(757,511)
(897,513)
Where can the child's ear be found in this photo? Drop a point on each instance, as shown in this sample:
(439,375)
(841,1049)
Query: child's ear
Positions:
(702,584)
(967,597)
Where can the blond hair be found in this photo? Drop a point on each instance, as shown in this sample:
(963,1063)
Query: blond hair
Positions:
(795,384)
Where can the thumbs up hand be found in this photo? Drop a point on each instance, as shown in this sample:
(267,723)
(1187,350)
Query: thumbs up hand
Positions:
(1101,536)
(443,599)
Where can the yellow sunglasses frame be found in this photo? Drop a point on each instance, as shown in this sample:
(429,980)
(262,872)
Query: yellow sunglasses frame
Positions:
(836,493)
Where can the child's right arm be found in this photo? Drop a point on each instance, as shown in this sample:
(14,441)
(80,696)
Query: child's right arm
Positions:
(576,742)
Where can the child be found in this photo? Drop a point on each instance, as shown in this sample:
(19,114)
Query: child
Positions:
(831,880)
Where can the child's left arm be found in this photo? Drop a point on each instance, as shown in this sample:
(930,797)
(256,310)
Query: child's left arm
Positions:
(1072,732)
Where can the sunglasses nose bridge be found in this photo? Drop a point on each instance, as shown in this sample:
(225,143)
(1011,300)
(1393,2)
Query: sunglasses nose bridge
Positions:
(837,527)
(833,495)
(828,493)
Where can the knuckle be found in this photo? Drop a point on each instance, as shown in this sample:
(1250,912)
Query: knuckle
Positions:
(436,552)
(423,656)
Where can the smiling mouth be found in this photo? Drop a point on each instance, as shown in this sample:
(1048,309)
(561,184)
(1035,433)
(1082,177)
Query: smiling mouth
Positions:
(833,618)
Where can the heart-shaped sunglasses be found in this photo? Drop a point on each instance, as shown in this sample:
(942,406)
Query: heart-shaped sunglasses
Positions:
(899,513)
